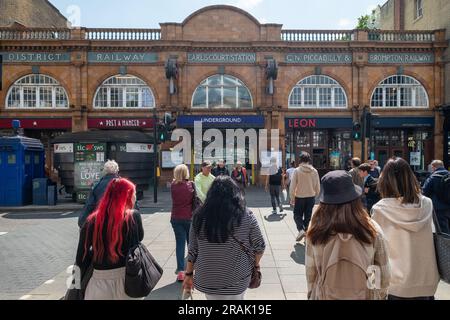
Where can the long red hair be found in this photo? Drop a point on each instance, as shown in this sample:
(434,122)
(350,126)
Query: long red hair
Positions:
(116,206)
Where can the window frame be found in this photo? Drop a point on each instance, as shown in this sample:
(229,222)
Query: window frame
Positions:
(222,86)
(418,9)
(110,84)
(416,89)
(26,87)
(316,95)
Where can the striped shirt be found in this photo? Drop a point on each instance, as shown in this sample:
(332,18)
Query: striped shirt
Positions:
(224,268)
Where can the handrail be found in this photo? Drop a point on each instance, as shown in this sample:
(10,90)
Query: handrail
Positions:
(317,35)
(35,34)
(123,34)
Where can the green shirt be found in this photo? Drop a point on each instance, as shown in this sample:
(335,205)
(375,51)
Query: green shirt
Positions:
(202,185)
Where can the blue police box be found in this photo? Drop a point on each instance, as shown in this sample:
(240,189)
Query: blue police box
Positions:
(22,159)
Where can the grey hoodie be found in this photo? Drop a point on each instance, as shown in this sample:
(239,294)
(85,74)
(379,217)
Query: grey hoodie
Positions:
(305,182)
(408,231)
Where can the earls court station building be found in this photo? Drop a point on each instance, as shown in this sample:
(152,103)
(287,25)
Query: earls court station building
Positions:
(63,80)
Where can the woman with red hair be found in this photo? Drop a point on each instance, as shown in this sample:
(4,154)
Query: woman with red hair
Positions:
(106,238)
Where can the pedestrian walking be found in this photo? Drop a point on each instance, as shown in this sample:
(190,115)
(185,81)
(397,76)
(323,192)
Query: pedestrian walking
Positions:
(220,170)
(203,181)
(437,187)
(354,172)
(274,183)
(375,170)
(183,193)
(223,234)
(289,173)
(305,187)
(406,219)
(240,176)
(371,195)
(343,245)
(106,238)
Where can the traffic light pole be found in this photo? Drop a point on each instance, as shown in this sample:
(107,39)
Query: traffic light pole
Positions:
(155,157)
(363,136)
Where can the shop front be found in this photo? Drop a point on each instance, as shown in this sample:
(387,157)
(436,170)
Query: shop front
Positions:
(222,123)
(407,137)
(447,137)
(327,140)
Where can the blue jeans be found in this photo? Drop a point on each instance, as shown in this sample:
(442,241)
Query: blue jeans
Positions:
(181,229)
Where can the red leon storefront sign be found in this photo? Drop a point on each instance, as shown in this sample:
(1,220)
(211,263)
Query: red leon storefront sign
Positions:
(117,123)
(38,123)
(302,123)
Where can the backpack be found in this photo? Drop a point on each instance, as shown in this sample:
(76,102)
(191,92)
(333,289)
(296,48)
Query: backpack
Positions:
(346,273)
(443,187)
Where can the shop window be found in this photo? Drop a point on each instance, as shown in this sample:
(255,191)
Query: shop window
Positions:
(318,92)
(399,92)
(124,91)
(222,91)
(37,91)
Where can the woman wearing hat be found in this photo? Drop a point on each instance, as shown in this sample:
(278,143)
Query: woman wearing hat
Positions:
(344,246)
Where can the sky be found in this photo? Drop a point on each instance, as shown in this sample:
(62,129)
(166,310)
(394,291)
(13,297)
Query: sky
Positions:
(293,14)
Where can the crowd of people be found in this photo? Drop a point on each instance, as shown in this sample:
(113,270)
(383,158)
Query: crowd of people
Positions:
(369,222)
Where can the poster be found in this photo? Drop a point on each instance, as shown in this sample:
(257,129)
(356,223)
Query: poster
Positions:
(414,158)
(171,159)
(139,148)
(88,166)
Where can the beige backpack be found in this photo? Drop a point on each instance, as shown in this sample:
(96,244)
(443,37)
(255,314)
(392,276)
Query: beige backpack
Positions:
(346,270)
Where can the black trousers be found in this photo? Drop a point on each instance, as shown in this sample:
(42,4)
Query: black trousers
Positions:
(275,197)
(303,211)
(391,297)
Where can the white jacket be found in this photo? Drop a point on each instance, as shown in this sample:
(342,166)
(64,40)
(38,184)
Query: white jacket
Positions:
(408,231)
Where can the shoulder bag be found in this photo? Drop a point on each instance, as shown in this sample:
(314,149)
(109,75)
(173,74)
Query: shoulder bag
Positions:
(256,277)
(142,271)
(442,247)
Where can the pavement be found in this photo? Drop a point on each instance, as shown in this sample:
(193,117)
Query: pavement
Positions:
(283,264)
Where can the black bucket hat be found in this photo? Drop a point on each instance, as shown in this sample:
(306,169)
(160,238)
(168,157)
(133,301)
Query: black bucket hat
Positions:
(338,188)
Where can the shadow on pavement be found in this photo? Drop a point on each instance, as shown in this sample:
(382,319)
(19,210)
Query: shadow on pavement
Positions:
(275,217)
(169,292)
(299,254)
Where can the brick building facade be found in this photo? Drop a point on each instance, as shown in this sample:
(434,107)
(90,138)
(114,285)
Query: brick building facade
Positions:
(98,79)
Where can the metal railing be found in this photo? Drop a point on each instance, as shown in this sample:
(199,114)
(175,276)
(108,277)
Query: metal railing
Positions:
(123,34)
(35,34)
(317,35)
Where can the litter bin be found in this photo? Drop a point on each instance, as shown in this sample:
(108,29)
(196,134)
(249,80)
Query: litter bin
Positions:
(40,192)
(52,195)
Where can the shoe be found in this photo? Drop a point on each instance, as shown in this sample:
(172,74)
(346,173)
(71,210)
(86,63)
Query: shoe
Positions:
(181,276)
(281,209)
(300,236)
(274,212)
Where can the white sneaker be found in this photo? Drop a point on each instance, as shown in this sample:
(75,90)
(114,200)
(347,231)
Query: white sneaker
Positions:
(300,236)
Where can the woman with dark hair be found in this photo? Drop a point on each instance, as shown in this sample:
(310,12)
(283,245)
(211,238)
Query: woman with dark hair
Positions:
(223,234)
(105,239)
(343,245)
(406,216)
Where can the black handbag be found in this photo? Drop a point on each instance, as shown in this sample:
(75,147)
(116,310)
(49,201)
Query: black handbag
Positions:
(142,272)
(442,247)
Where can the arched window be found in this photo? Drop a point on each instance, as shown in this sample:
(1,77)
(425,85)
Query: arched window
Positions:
(399,92)
(318,92)
(37,91)
(124,91)
(222,91)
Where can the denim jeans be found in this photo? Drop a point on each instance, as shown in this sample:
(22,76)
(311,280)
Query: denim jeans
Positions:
(181,229)
(303,211)
(275,197)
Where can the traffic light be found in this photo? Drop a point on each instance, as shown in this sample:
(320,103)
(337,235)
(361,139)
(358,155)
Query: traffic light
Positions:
(356,132)
(162,133)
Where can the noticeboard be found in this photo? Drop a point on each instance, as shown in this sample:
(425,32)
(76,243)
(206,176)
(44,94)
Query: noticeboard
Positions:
(89,162)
